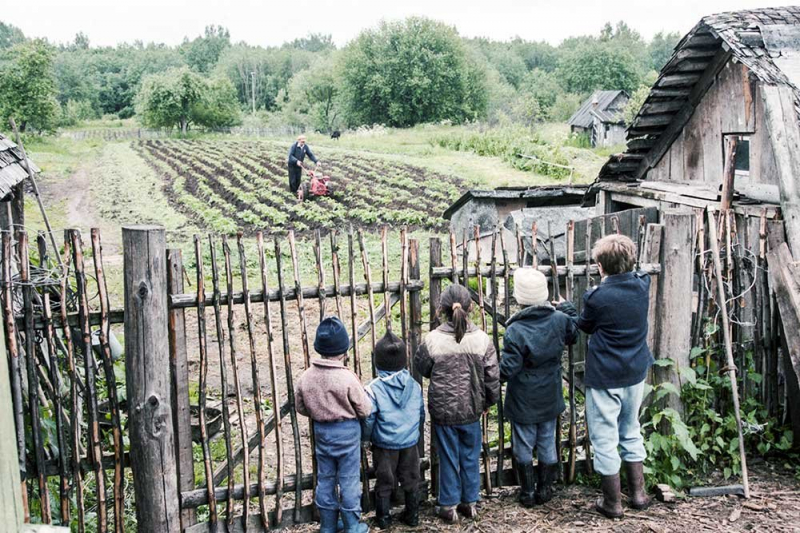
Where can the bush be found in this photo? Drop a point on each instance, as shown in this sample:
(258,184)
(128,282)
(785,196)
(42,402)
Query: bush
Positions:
(74,113)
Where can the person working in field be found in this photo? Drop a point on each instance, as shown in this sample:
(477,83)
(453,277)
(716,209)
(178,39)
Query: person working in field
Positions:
(297,154)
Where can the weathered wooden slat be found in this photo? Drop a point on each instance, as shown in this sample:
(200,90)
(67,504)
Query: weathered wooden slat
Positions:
(415,323)
(257,398)
(202,342)
(148,387)
(94,441)
(371,299)
(223,377)
(273,379)
(111,384)
(579,270)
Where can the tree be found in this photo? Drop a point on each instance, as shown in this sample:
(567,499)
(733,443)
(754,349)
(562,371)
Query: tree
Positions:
(10,35)
(203,52)
(315,42)
(586,68)
(315,96)
(180,97)
(405,73)
(661,47)
(635,103)
(28,88)
(543,88)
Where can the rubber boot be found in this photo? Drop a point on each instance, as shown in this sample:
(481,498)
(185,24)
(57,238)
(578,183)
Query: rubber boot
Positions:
(637,496)
(527,484)
(352,522)
(546,475)
(383,518)
(610,505)
(329,521)
(410,516)
(468,510)
(447,513)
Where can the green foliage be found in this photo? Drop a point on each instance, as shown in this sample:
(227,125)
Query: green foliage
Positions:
(315,97)
(203,52)
(602,66)
(10,35)
(179,98)
(75,112)
(635,103)
(683,449)
(508,144)
(27,87)
(410,72)
(315,42)
(661,47)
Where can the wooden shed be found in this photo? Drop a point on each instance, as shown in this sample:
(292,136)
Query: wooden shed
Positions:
(600,117)
(720,130)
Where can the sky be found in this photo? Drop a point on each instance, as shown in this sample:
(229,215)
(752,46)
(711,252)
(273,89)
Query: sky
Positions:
(271,23)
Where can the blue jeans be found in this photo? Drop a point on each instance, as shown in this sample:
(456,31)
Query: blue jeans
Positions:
(526,437)
(338,446)
(613,419)
(459,450)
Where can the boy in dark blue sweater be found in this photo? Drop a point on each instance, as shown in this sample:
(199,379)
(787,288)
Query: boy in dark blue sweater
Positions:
(615,314)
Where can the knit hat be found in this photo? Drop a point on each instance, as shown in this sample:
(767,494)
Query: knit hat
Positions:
(390,353)
(530,286)
(332,338)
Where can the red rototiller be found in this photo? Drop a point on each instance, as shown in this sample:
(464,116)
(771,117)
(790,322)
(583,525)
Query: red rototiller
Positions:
(318,184)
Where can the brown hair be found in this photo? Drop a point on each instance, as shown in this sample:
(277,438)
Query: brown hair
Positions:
(616,253)
(455,304)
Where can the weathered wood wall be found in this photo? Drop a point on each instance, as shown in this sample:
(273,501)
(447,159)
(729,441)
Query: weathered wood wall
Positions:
(732,106)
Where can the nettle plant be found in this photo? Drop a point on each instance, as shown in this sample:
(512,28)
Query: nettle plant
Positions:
(683,449)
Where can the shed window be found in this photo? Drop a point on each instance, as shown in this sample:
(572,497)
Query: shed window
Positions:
(742,163)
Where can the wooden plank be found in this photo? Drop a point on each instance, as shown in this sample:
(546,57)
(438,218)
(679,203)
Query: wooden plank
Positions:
(651,253)
(179,372)
(694,96)
(673,336)
(148,386)
(11,511)
(781,120)
(784,276)
(693,190)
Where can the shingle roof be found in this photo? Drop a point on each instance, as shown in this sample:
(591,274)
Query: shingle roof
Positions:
(689,73)
(12,170)
(583,116)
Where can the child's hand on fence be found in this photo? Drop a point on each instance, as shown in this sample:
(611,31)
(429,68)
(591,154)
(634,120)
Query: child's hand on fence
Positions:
(558,300)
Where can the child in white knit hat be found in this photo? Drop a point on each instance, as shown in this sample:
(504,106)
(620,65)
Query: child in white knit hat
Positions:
(531,365)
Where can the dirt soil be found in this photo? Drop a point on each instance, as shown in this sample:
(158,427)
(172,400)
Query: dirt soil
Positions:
(774,506)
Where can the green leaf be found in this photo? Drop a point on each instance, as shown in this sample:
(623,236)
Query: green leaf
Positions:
(726,472)
(696,352)
(675,462)
(663,362)
(670,388)
(689,374)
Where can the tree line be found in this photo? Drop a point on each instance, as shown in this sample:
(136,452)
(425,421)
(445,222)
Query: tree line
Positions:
(397,74)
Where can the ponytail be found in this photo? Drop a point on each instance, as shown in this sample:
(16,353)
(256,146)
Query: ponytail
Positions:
(455,304)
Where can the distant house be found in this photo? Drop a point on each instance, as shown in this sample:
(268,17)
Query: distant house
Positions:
(600,117)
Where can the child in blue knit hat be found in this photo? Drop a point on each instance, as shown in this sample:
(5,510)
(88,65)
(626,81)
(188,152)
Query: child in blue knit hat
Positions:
(333,397)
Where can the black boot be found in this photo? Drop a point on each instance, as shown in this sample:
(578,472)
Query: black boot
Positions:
(610,505)
(527,483)
(382,517)
(545,475)
(637,495)
(410,516)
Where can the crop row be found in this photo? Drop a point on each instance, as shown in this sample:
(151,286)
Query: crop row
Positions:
(227,185)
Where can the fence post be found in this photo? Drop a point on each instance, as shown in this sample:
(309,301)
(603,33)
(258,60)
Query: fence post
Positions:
(11,512)
(673,338)
(435,294)
(149,388)
(415,319)
(179,372)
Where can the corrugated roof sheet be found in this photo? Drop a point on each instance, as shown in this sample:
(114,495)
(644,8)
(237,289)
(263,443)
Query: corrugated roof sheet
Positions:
(583,116)
(12,169)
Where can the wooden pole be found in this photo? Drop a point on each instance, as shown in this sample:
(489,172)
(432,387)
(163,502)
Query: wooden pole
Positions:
(273,379)
(90,365)
(226,415)
(12,513)
(404,292)
(202,341)
(320,273)
(287,362)
(237,385)
(435,250)
(731,365)
(587,444)
(496,341)
(257,398)
(556,297)
(487,462)
(535,244)
(453,258)
(111,387)
(337,289)
(387,304)
(33,377)
(148,385)
(729,173)
(371,299)
(415,319)
(573,415)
